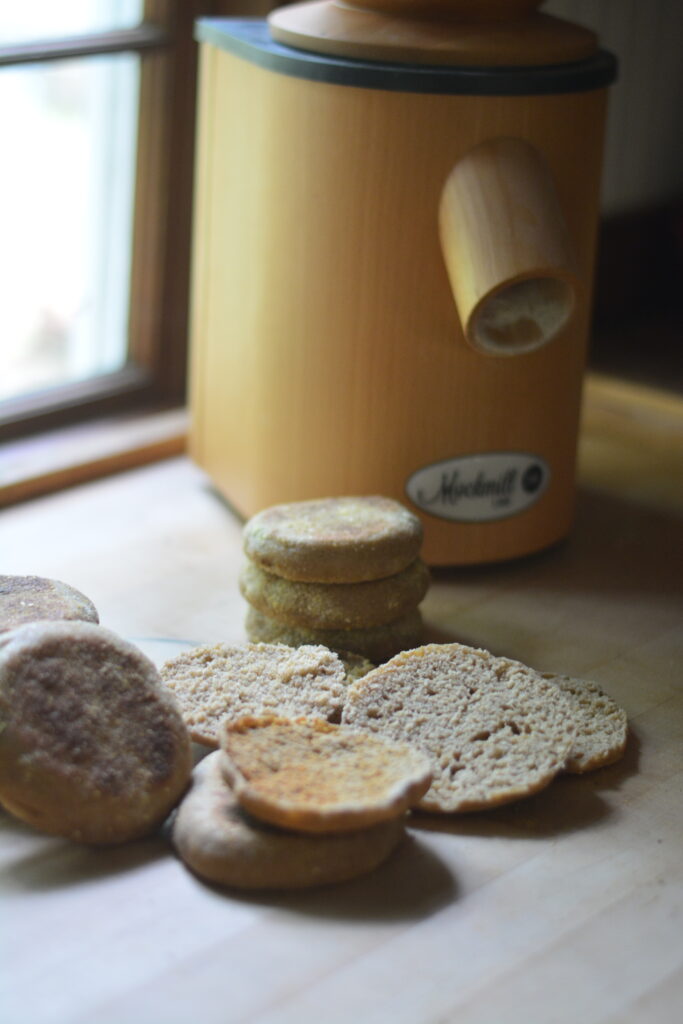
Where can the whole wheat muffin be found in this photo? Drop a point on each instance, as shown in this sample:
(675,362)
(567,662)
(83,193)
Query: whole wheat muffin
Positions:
(334,540)
(494,729)
(601,725)
(221,843)
(92,747)
(316,777)
(376,643)
(35,598)
(335,605)
(221,681)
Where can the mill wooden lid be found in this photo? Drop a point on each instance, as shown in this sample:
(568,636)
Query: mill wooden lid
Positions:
(490,33)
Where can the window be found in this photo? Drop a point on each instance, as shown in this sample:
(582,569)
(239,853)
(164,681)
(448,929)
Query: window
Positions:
(66,209)
(97,102)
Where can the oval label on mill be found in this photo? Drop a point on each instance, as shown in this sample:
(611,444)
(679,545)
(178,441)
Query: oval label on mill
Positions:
(479,488)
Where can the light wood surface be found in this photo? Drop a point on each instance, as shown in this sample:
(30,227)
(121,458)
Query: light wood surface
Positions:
(564,907)
(327,352)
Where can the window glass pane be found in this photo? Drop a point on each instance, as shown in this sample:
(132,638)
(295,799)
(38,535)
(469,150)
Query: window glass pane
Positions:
(66,209)
(47,19)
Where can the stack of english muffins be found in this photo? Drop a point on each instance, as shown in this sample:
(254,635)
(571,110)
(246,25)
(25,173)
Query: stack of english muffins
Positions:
(341,572)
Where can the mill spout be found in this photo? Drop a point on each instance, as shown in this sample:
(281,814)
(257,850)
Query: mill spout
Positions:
(507,248)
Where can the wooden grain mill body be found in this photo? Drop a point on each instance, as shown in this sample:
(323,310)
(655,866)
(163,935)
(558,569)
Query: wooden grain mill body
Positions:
(337,258)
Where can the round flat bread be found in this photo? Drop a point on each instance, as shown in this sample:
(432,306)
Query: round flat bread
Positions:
(92,747)
(316,777)
(335,605)
(334,540)
(601,725)
(26,599)
(377,644)
(494,730)
(223,844)
(218,682)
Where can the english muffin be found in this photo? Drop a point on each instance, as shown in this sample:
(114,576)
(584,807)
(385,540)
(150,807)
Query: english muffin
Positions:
(220,681)
(334,540)
(312,776)
(92,747)
(34,598)
(376,643)
(221,843)
(601,725)
(335,605)
(494,730)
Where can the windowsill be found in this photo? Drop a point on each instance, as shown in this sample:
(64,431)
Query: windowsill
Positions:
(631,442)
(57,459)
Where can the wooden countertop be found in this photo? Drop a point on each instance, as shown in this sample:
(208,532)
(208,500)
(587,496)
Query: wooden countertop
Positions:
(567,906)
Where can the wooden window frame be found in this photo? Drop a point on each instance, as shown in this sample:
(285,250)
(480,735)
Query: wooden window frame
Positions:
(154,375)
